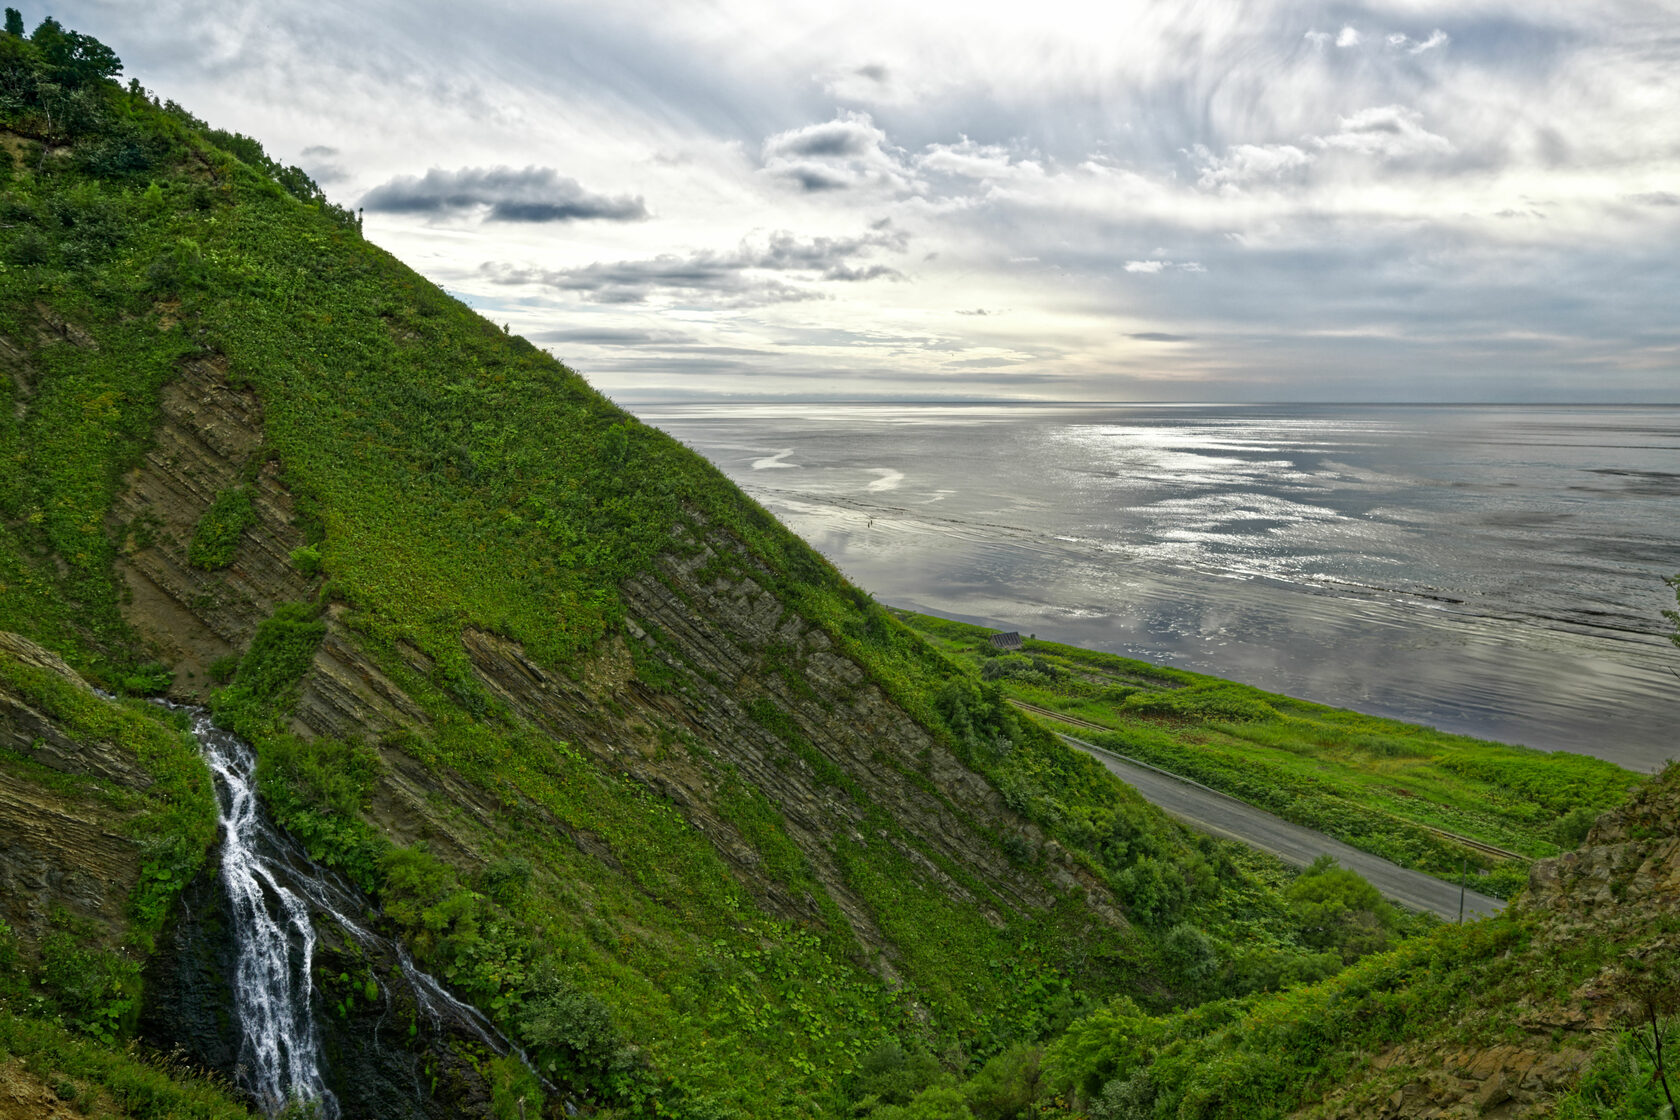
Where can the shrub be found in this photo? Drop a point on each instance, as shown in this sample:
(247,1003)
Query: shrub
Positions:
(216,538)
(1339,911)
(1571,829)
(307,560)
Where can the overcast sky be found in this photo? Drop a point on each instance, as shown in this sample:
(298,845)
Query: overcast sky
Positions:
(1214,200)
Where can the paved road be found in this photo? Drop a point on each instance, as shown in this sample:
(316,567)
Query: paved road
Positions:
(1225,816)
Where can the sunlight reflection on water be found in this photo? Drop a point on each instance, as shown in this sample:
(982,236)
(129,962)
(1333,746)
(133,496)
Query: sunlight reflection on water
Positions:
(1492,570)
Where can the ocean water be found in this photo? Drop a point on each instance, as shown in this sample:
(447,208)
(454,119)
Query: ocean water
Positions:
(1493,570)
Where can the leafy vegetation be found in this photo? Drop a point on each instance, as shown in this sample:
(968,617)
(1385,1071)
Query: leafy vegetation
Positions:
(101,1080)
(217,535)
(1398,790)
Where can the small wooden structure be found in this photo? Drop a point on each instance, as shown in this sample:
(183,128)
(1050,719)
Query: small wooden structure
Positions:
(1006,642)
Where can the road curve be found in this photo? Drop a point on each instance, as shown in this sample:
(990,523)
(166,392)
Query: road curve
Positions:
(1223,815)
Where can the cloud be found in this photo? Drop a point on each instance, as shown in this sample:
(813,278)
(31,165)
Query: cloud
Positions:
(1243,164)
(531,194)
(1437,38)
(1150,267)
(611,336)
(736,277)
(1348,37)
(1158,336)
(1655,198)
(845,153)
(320,163)
(981,162)
(1388,132)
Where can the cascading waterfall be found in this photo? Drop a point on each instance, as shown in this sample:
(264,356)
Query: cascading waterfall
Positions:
(279,1053)
(274,891)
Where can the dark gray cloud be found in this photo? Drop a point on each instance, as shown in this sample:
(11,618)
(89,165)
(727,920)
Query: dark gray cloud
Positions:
(1656,198)
(835,138)
(1159,336)
(718,278)
(847,152)
(738,276)
(530,194)
(321,162)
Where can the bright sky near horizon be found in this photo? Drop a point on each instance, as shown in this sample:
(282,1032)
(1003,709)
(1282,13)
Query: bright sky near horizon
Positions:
(1221,200)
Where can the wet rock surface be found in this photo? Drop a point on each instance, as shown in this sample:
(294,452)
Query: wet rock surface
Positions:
(391,1045)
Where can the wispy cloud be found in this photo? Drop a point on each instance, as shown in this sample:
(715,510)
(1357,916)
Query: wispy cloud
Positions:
(848,152)
(741,277)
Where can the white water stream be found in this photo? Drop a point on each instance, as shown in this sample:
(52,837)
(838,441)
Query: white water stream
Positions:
(279,1053)
(273,888)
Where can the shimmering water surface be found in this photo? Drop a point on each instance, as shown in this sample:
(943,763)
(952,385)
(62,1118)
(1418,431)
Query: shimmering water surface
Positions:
(1490,570)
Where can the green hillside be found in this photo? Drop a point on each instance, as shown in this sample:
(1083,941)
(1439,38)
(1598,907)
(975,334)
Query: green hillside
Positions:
(1422,798)
(696,823)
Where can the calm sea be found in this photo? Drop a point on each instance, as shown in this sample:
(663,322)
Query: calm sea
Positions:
(1490,570)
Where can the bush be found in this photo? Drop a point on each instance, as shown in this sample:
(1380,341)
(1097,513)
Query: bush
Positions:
(216,538)
(1219,701)
(307,560)
(1127,1098)
(1571,829)
(1006,1087)
(890,1075)
(1340,912)
(570,1035)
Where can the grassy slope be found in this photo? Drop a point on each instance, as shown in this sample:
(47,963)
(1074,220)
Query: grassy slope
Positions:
(1378,784)
(448,475)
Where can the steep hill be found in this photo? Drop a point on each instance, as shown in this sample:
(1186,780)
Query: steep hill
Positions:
(620,760)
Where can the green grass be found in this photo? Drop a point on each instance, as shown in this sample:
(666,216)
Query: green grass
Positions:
(98,1080)
(1384,786)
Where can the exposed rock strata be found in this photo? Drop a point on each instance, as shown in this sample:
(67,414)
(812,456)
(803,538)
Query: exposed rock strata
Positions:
(717,634)
(61,846)
(209,439)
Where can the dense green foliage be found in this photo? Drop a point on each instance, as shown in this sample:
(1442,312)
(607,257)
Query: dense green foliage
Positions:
(173,819)
(83,977)
(1398,790)
(217,535)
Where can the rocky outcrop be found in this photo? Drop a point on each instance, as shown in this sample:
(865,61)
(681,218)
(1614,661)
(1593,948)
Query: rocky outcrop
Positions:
(1619,892)
(61,844)
(209,440)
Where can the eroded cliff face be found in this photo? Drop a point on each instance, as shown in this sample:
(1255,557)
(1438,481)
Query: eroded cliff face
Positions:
(209,440)
(62,846)
(1617,900)
(748,686)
